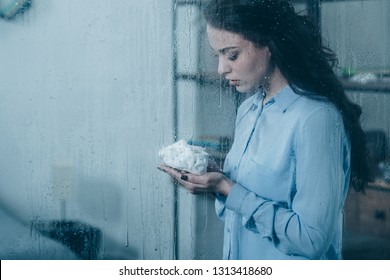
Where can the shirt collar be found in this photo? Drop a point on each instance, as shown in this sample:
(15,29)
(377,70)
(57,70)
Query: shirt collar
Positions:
(283,99)
(259,96)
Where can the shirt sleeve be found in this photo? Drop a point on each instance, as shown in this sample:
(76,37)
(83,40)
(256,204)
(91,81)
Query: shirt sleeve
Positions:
(305,228)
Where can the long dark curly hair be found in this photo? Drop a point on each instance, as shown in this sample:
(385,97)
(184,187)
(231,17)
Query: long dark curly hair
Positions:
(298,51)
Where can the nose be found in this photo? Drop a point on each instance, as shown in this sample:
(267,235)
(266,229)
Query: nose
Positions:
(223,66)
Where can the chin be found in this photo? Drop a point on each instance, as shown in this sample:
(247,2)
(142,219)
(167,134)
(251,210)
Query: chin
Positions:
(245,89)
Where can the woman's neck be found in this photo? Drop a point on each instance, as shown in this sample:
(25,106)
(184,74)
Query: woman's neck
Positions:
(276,83)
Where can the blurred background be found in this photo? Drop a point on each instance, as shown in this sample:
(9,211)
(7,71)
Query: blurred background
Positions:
(91,90)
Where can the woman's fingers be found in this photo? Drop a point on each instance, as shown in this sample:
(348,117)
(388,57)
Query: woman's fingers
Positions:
(171,171)
(195,184)
(180,175)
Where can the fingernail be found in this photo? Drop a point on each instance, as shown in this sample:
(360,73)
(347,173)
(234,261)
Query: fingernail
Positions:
(184,177)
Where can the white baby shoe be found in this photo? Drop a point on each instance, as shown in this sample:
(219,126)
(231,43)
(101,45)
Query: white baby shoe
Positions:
(183,156)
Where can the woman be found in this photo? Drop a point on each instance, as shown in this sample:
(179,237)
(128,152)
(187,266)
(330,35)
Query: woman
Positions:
(298,143)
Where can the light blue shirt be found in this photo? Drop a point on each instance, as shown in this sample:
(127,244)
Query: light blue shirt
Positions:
(291,163)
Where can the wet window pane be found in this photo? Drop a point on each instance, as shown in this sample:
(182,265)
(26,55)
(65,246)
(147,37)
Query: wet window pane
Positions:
(359,33)
(91,90)
(86,90)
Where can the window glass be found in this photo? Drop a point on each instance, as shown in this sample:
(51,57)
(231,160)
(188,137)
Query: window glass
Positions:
(92,90)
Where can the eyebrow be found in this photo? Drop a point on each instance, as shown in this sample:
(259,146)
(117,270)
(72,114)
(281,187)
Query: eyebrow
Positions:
(226,49)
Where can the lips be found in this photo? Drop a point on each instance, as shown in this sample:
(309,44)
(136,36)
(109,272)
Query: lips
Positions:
(234,82)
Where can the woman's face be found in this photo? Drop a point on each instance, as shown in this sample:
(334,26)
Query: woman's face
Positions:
(244,65)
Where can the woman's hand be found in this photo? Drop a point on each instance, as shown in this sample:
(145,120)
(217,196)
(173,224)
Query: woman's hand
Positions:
(210,182)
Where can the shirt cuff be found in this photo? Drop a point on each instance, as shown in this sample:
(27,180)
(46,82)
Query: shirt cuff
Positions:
(236,197)
(247,204)
(244,202)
